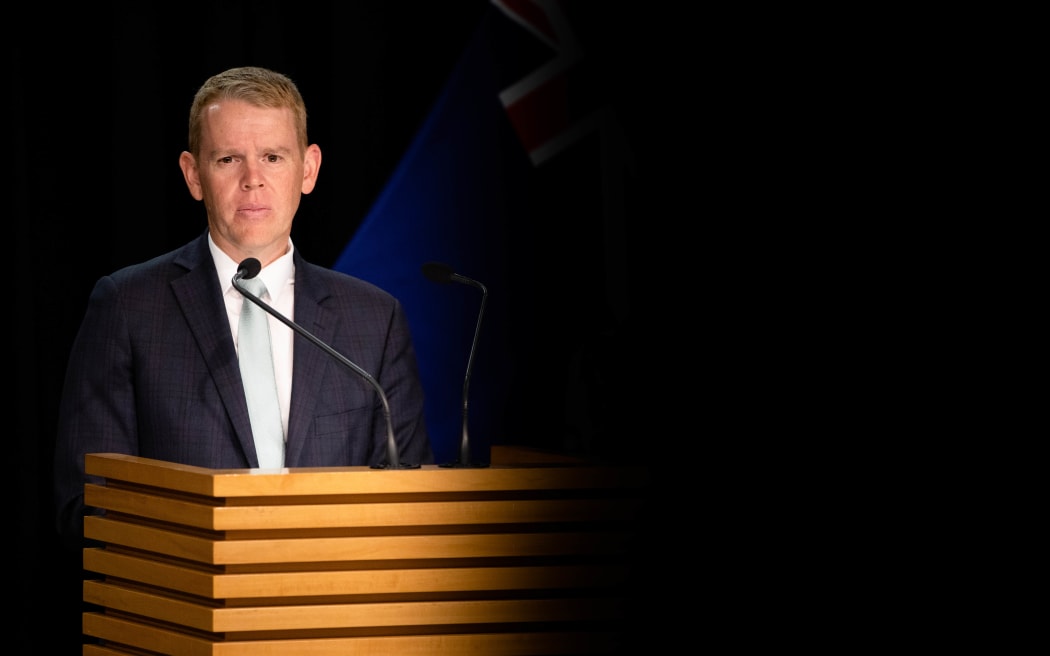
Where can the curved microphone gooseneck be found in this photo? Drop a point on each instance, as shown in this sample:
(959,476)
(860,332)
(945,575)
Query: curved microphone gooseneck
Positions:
(443,273)
(250,268)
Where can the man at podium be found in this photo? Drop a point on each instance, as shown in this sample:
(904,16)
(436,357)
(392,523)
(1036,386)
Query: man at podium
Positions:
(154,368)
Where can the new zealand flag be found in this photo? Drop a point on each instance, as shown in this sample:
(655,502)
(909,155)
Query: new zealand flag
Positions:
(518,180)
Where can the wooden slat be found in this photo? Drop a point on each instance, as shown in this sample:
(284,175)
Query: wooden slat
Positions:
(174,643)
(168,543)
(356,480)
(210,618)
(150,571)
(144,636)
(324,515)
(309,583)
(107,650)
(349,549)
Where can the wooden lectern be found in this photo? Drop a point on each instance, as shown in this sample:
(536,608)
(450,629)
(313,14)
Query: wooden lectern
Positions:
(529,556)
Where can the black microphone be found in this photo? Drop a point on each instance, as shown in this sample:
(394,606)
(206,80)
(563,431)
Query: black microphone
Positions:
(443,273)
(250,268)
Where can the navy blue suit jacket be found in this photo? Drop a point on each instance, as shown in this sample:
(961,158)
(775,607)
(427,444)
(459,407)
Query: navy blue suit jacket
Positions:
(153,372)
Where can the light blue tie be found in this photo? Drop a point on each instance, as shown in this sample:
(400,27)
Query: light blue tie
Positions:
(260,385)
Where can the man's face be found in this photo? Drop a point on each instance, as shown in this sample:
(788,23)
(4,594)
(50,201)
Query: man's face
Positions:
(251,176)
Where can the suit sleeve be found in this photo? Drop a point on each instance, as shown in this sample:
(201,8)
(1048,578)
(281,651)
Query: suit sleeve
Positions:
(97,408)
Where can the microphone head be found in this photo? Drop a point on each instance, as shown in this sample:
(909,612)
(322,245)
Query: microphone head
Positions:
(249,268)
(438,272)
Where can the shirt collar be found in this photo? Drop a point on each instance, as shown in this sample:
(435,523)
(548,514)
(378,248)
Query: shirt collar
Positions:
(276,274)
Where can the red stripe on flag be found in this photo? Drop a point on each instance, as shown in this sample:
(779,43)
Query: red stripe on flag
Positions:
(542,114)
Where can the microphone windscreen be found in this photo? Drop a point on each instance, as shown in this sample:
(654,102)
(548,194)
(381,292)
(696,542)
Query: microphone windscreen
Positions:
(249,268)
(437,271)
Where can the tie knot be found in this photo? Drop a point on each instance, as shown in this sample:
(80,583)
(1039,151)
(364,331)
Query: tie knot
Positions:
(255,286)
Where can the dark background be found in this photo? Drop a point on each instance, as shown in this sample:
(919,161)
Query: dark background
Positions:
(98,107)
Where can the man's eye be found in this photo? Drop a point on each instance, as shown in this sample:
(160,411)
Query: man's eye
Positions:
(225,160)
(273,158)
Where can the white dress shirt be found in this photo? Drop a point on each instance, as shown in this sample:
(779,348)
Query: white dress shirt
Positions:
(279,277)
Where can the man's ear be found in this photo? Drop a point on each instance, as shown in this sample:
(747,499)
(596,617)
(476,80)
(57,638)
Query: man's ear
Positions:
(188,164)
(311,167)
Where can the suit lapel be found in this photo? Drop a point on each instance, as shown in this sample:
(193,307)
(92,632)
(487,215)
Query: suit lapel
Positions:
(309,362)
(198,294)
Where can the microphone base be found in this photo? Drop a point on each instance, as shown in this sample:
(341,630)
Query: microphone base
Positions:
(398,466)
(461,465)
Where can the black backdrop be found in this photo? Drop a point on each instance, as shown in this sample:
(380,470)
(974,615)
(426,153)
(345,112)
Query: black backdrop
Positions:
(98,105)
